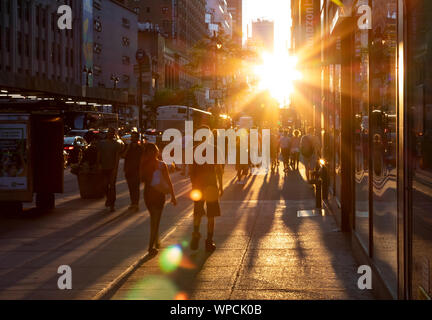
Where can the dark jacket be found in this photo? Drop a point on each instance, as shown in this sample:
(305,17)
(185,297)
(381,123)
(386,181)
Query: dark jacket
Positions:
(132,157)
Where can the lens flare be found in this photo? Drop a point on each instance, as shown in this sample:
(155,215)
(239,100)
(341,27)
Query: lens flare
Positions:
(181,296)
(277,74)
(153,287)
(196,195)
(186,263)
(170,258)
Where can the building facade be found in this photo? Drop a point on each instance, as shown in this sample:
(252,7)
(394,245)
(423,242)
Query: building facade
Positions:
(41,61)
(115,44)
(220,16)
(376,134)
(235,8)
(263,34)
(182,21)
(34,53)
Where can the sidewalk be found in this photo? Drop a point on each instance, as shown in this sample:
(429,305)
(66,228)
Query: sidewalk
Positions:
(264,251)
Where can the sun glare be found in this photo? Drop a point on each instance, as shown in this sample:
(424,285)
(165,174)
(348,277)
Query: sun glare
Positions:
(277,74)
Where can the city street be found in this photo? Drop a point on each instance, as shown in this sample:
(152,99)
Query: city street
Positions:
(265,250)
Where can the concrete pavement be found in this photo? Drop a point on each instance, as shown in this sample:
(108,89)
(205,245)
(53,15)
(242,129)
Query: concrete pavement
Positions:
(264,251)
(96,244)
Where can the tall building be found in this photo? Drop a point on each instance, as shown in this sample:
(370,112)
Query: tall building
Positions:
(34,53)
(263,34)
(37,58)
(115,39)
(182,21)
(220,15)
(235,7)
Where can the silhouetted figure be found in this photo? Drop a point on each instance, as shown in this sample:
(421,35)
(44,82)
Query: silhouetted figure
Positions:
(132,156)
(154,173)
(109,151)
(207,186)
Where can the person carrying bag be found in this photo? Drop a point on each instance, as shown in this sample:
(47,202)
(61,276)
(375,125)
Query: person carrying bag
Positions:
(157,182)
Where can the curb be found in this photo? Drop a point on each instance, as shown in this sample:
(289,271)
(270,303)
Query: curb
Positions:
(114,285)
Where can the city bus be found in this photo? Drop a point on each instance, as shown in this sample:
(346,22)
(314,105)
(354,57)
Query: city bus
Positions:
(84,120)
(174,117)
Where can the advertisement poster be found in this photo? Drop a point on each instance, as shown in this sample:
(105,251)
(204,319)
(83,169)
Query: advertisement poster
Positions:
(14,157)
(87,45)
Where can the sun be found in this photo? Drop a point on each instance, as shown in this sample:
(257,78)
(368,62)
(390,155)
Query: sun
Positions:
(277,74)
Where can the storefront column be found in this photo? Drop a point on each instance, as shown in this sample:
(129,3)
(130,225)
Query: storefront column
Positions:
(347,169)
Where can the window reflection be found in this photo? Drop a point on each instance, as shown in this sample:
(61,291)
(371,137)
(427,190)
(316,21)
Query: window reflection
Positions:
(361,133)
(419,15)
(383,131)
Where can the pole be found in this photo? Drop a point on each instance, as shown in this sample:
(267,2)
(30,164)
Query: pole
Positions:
(140,102)
(216,77)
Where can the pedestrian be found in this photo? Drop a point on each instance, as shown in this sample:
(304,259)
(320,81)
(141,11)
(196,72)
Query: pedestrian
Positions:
(285,146)
(157,183)
(207,187)
(132,156)
(241,168)
(308,149)
(295,150)
(274,150)
(186,140)
(109,151)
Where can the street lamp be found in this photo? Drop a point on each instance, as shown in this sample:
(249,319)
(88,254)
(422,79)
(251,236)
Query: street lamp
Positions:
(115,80)
(88,72)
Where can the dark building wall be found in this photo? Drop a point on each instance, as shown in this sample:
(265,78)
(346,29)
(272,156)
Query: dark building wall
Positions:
(34,49)
(182,21)
(235,7)
(115,45)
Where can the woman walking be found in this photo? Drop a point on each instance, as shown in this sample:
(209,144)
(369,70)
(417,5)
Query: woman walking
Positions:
(295,150)
(157,182)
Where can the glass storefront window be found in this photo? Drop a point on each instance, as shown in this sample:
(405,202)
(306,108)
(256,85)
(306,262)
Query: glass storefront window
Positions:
(337,132)
(419,23)
(331,125)
(361,133)
(382,123)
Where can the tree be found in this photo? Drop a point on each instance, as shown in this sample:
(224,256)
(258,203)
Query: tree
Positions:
(166,97)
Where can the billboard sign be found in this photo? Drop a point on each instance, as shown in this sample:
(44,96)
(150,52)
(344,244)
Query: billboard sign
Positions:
(15,154)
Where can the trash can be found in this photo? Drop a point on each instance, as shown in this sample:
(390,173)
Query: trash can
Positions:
(91,185)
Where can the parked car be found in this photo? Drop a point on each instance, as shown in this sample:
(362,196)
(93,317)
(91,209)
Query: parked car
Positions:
(152,135)
(75,147)
(88,135)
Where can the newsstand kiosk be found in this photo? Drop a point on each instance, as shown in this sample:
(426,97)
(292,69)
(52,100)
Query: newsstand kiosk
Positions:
(31,158)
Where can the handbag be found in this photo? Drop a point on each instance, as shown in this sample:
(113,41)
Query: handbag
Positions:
(159,182)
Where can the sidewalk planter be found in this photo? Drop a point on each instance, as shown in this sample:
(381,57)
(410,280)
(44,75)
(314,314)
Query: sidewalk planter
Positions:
(91,185)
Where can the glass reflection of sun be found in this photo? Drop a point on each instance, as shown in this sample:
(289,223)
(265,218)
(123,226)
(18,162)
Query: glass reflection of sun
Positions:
(277,74)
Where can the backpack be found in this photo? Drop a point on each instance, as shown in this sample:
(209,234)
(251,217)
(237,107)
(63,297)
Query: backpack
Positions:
(306,147)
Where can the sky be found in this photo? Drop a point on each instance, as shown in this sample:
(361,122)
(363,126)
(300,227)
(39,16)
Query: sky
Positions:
(277,10)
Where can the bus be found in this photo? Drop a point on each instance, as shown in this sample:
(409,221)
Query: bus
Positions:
(174,117)
(84,120)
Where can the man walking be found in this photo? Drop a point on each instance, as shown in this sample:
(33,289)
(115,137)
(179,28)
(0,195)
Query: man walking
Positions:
(132,157)
(207,186)
(109,151)
(285,150)
(309,148)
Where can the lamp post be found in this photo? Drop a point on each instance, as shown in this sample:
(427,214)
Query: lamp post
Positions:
(217,47)
(88,72)
(142,59)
